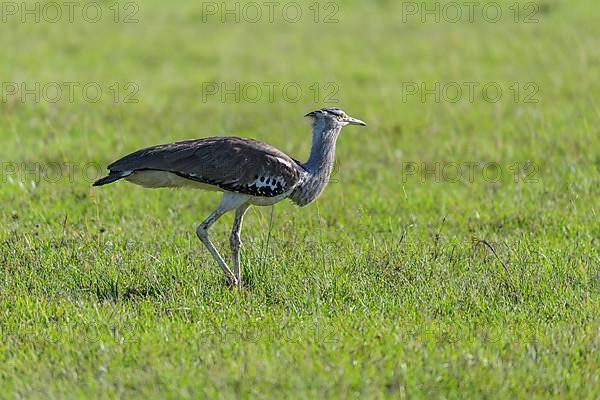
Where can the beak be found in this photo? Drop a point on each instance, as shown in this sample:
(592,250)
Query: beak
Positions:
(355,121)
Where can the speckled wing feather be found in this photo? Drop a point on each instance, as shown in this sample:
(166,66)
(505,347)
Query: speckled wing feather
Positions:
(231,163)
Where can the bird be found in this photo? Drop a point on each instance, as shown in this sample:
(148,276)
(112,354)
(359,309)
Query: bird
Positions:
(247,171)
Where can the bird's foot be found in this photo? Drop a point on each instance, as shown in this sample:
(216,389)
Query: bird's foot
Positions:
(234,283)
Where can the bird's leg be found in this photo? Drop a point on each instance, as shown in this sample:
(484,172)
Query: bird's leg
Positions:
(229,202)
(235,242)
(202,232)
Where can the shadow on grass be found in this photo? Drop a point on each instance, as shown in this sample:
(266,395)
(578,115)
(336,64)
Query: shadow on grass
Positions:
(114,293)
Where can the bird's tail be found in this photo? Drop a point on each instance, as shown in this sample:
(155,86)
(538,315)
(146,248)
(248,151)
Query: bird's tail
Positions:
(113,176)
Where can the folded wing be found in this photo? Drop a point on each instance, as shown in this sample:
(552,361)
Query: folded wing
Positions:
(229,163)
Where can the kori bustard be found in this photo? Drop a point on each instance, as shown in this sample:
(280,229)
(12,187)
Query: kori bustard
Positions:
(249,172)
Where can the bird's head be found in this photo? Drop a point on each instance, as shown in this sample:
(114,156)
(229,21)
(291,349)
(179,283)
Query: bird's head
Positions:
(333,117)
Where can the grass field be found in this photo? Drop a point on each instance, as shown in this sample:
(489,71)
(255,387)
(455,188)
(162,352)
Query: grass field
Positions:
(402,280)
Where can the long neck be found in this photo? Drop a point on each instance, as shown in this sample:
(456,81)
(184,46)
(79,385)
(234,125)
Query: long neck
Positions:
(319,165)
(322,152)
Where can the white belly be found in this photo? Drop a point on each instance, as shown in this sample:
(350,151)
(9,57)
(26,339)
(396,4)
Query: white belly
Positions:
(162,179)
(268,201)
(158,179)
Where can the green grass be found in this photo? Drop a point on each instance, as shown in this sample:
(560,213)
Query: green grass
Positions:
(385,287)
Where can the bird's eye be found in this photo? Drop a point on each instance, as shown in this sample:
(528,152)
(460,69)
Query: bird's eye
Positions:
(340,117)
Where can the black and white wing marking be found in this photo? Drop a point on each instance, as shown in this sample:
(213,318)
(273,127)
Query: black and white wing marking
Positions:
(230,163)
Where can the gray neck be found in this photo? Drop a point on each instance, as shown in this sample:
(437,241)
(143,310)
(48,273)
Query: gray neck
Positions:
(319,165)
